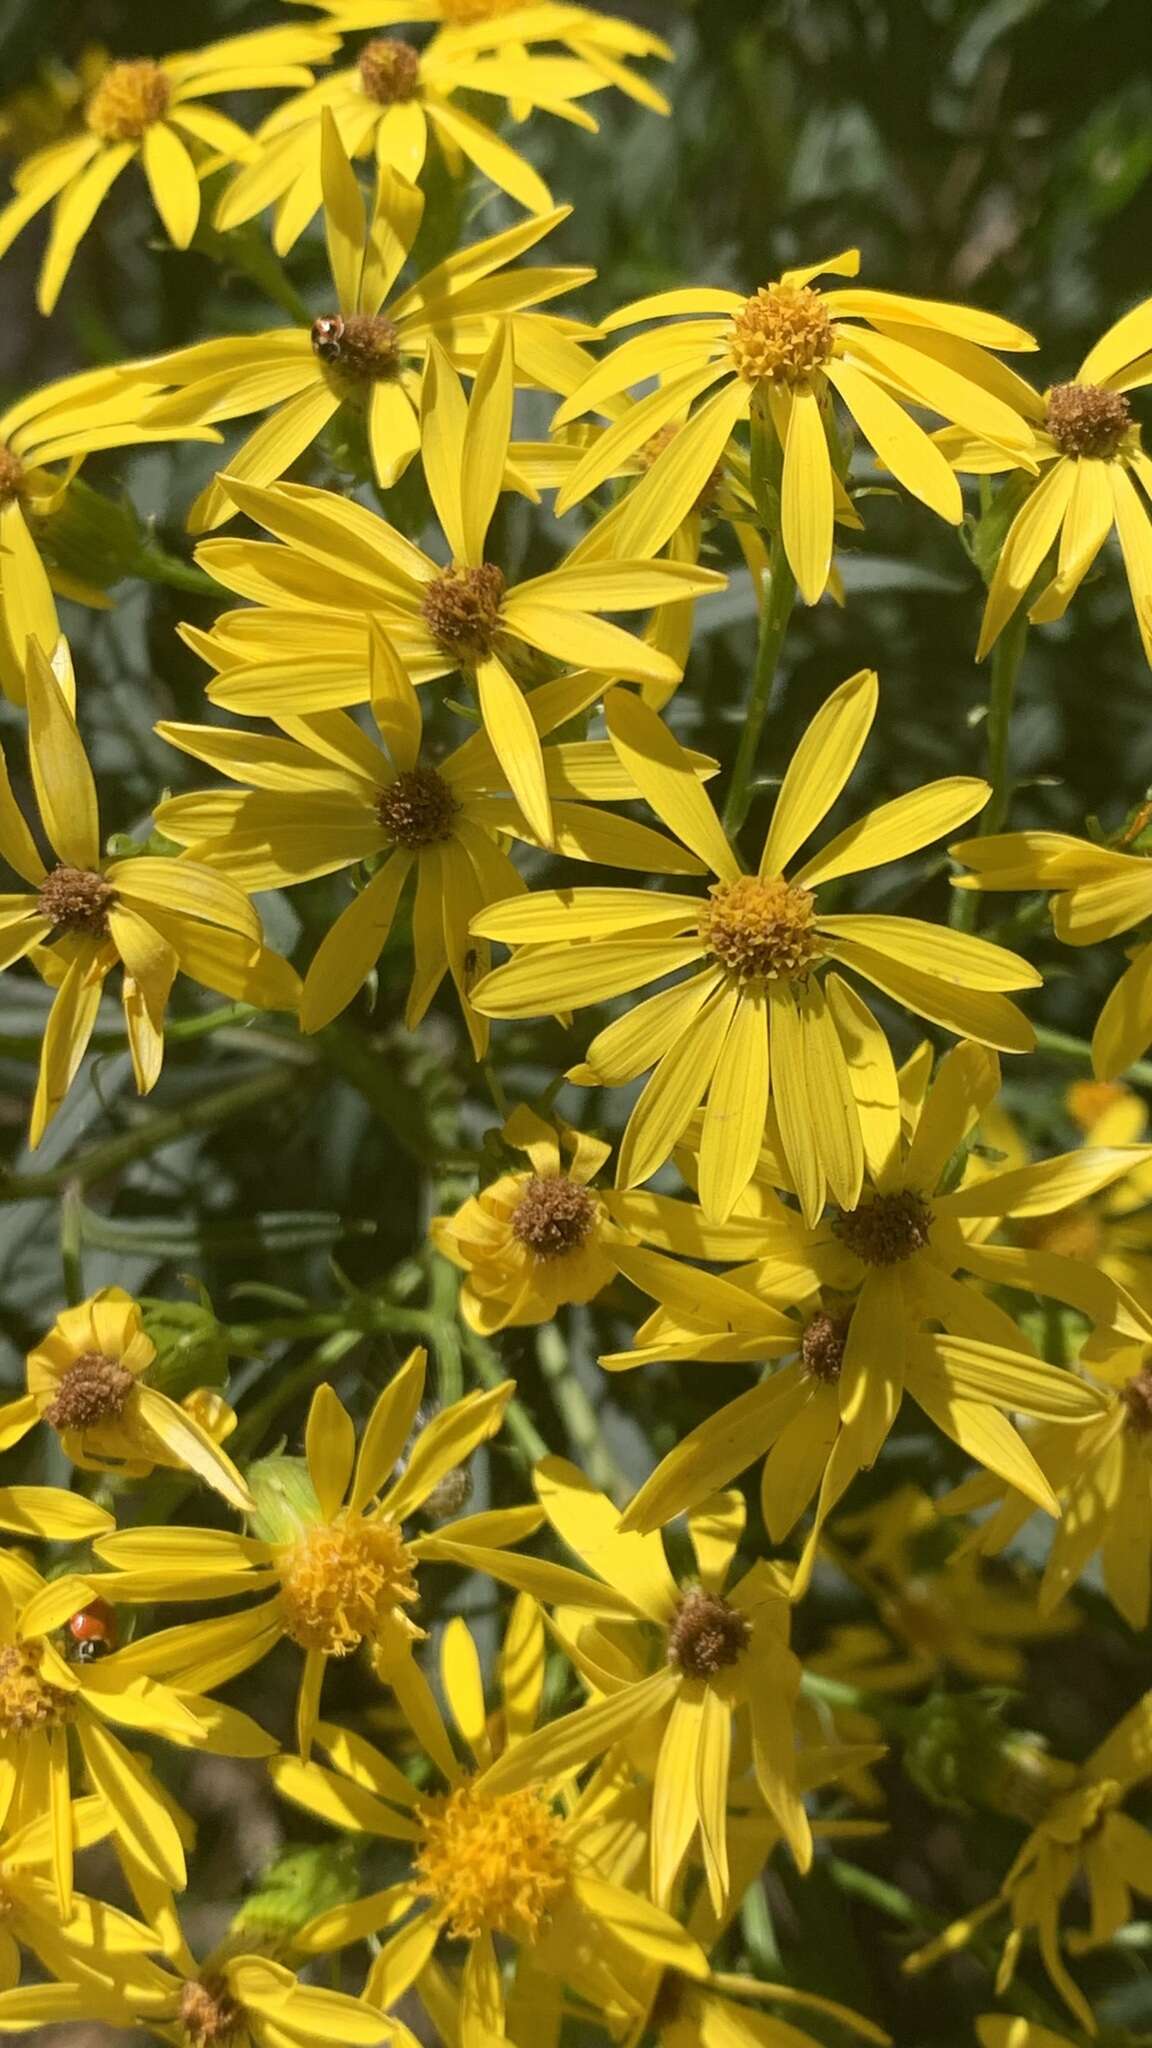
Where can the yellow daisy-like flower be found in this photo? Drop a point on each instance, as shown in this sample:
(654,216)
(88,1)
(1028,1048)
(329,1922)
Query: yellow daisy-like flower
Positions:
(328,798)
(88,1379)
(343,1572)
(784,353)
(152,109)
(83,917)
(365,355)
(532,1240)
(94,1946)
(1101,891)
(1083,1838)
(460,617)
(390,101)
(495,1856)
(1092,468)
(757,1021)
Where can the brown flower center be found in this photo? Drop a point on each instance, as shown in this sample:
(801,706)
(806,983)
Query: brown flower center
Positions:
(781,334)
(707,1635)
(27,1701)
(553,1216)
(822,1345)
(209,2015)
(461,610)
(77,900)
(1136,1395)
(1086,419)
(93,1390)
(11,475)
(389,70)
(364,347)
(886,1229)
(417,809)
(760,929)
(128,99)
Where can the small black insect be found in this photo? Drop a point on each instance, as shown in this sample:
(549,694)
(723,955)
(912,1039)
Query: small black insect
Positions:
(328,337)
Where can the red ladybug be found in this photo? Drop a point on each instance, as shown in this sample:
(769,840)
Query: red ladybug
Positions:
(93,1633)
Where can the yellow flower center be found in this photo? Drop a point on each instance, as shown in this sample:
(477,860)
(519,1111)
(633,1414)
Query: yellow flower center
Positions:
(27,1701)
(781,334)
(760,929)
(417,809)
(209,2015)
(491,1862)
(128,99)
(93,1390)
(461,610)
(822,1346)
(11,475)
(364,347)
(886,1229)
(553,1216)
(1075,1233)
(1087,419)
(389,70)
(77,900)
(1085,1101)
(343,1581)
(1136,1395)
(707,1635)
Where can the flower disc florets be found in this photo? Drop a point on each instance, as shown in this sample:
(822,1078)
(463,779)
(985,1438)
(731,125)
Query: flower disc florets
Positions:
(1136,1395)
(77,900)
(781,334)
(129,98)
(11,475)
(461,610)
(822,1346)
(553,1216)
(209,2015)
(364,347)
(343,1581)
(491,1863)
(760,929)
(389,70)
(707,1635)
(1088,419)
(886,1229)
(417,809)
(27,1701)
(94,1390)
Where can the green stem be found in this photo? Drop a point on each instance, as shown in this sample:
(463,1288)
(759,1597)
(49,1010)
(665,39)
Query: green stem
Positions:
(892,1714)
(578,1415)
(72,1244)
(1006,659)
(1063,1046)
(776,611)
(374,1078)
(156,565)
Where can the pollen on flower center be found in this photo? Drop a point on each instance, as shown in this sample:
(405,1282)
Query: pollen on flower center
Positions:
(343,1581)
(417,809)
(461,610)
(364,347)
(11,475)
(389,70)
(1136,1395)
(491,1863)
(886,1229)
(553,1216)
(209,2015)
(93,1390)
(77,900)
(27,1701)
(1087,419)
(781,334)
(129,98)
(707,1635)
(822,1346)
(760,929)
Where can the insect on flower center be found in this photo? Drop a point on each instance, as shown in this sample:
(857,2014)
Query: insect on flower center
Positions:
(77,900)
(209,2015)
(11,475)
(760,929)
(822,1346)
(93,1390)
(364,347)
(1087,419)
(461,610)
(27,1701)
(129,98)
(781,334)
(417,809)
(343,1581)
(1136,1395)
(707,1635)
(491,1862)
(553,1216)
(389,70)
(887,1229)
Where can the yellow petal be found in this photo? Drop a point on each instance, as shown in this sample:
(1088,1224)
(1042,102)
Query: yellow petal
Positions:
(172,177)
(806,496)
(736,1110)
(820,767)
(902,446)
(65,789)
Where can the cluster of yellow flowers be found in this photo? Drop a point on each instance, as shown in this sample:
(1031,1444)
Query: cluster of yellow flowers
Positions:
(579,1845)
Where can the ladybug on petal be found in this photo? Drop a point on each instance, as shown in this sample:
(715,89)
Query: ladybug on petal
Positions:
(93,1633)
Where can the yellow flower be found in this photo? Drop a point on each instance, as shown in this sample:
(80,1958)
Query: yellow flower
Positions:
(1087,443)
(365,354)
(151,109)
(464,616)
(83,917)
(1101,891)
(343,1572)
(494,1856)
(533,1239)
(88,1379)
(328,798)
(93,1945)
(756,1021)
(1111,1229)
(389,101)
(785,352)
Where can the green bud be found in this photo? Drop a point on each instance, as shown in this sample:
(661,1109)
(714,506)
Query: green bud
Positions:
(191,1345)
(285,1497)
(961,1756)
(295,1887)
(91,539)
